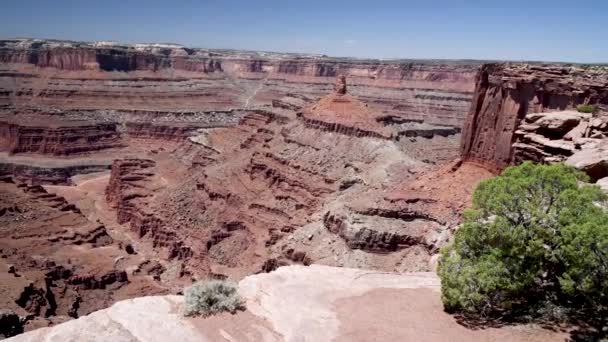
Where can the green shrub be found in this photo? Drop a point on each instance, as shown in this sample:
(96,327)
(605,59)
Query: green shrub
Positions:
(586,109)
(535,240)
(208,298)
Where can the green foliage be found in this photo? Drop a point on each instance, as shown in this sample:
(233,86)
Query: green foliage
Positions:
(535,238)
(586,109)
(211,297)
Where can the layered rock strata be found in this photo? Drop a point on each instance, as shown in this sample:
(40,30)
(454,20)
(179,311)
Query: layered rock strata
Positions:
(54,138)
(378,230)
(56,175)
(165,132)
(127,193)
(70,75)
(505,94)
(55,263)
(341,113)
(555,136)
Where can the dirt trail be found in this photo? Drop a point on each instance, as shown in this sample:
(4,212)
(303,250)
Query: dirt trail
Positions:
(255,92)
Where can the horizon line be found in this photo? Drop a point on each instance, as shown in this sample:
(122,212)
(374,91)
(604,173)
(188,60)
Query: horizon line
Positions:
(313,54)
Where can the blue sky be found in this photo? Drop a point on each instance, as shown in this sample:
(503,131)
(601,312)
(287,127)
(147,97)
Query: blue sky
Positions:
(556,30)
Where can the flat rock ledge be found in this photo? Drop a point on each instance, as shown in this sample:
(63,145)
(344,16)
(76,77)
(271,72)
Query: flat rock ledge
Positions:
(295,303)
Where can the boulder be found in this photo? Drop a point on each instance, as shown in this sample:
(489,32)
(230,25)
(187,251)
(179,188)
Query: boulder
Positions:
(593,160)
(578,131)
(558,118)
(603,183)
(560,145)
(560,122)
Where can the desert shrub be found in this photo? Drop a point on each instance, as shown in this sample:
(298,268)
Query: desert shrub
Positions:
(586,109)
(207,298)
(535,241)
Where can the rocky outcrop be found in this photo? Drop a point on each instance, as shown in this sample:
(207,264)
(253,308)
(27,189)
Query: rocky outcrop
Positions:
(67,139)
(593,159)
(126,192)
(333,127)
(555,136)
(124,176)
(397,308)
(425,131)
(340,85)
(344,114)
(55,263)
(505,94)
(59,175)
(382,231)
(95,281)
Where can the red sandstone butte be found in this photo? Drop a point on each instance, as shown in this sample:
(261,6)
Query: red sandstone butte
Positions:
(341,113)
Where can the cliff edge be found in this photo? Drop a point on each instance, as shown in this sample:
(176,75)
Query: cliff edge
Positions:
(295,303)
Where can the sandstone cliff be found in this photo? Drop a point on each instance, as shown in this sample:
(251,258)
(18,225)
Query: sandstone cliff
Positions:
(504,94)
(48,138)
(121,57)
(126,191)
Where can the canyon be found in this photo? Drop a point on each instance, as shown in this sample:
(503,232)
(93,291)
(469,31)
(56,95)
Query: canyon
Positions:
(133,170)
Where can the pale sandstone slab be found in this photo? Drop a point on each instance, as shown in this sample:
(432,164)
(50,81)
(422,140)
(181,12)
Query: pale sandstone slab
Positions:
(592,160)
(140,319)
(296,303)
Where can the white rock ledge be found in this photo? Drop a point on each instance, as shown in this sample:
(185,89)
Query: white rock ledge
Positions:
(295,303)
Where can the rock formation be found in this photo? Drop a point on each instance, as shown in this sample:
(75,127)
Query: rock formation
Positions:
(127,191)
(505,94)
(397,308)
(212,172)
(41,174)
(56,263)
(344,114)
(57,138)
(555,136)
(593,159)
(173,164)
(340,86)
(46,73)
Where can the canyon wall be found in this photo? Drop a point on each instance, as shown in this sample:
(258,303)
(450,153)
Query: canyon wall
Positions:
(33,174)
(70,75)
(47,138)
(505,93)
(56,263)
(82,56)
(127,192)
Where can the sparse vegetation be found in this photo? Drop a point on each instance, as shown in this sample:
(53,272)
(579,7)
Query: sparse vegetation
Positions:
(208,298)
(586,109)
(534,245)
